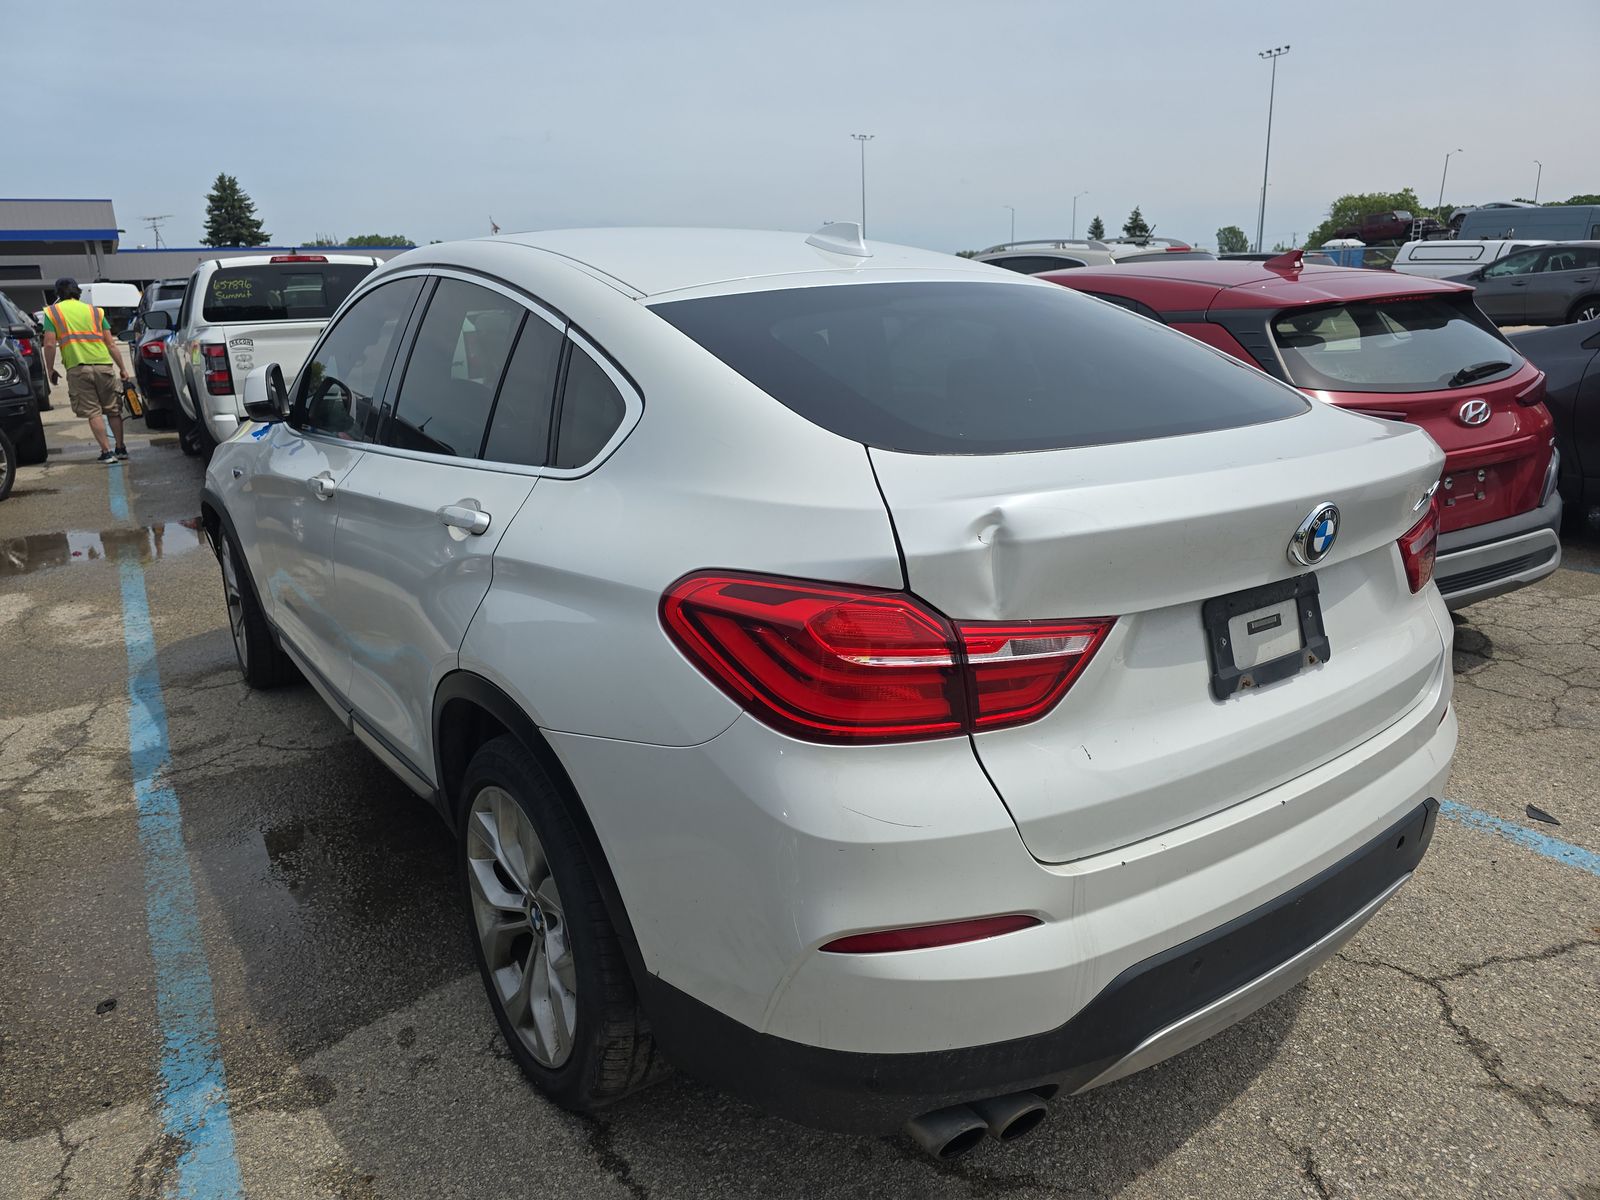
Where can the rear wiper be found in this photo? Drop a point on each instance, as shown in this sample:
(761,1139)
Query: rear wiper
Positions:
(1476,371)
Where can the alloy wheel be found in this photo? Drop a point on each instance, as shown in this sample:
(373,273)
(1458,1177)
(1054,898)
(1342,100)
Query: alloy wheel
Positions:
(522,926)
(1589,311)
(235,598)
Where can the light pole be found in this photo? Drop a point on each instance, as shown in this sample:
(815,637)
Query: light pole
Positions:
(863,138)
(1075,215)
(1445,176)
(1536,180)
(1274,54)
(1013,222)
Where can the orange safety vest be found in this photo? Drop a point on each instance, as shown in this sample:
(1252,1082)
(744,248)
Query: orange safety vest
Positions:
(80,331)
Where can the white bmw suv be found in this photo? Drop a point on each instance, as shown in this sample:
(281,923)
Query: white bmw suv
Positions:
(894,691)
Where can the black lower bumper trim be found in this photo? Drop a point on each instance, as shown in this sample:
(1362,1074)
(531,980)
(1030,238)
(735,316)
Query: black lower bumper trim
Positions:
(878,1093)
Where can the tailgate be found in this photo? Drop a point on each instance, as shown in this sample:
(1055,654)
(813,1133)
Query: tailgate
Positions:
(286,343)
(1147,532)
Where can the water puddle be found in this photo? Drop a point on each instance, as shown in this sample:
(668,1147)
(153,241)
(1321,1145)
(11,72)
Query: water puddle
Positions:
(41,551)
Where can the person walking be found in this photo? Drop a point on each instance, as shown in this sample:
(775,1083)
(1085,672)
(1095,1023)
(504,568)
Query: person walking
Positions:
(87,352)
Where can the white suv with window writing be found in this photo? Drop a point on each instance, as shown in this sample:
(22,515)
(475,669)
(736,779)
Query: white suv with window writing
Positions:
(237,312)
(896,691)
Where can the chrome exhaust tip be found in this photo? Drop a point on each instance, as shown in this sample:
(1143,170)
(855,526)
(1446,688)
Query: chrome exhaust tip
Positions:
(947,1133)
(1010,1117)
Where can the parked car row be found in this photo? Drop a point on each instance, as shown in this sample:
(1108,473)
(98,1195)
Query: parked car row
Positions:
(817,646)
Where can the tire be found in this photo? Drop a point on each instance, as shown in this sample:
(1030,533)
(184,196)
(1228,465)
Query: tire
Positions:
(1586,309)
(188,440)
(584,1042)
(261,662)
(8,464)
(30,445)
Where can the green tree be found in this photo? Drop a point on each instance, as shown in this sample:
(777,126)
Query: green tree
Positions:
(1231,240)
(1589,199)
(231,216)
(1134,226)
(1347,211)
(378,239)
(967,253)
(1097,228)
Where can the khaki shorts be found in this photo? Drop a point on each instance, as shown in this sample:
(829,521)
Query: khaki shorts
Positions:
(94,389)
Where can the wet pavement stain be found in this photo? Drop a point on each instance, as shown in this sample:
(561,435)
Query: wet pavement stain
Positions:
(42,551)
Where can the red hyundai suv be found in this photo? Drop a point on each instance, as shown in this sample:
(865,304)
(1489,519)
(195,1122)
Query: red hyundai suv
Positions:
(1398,347)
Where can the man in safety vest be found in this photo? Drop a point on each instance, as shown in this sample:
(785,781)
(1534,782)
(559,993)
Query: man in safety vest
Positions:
(87,351)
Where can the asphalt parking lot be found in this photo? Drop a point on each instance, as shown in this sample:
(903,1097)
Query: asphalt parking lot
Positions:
(1452,1049)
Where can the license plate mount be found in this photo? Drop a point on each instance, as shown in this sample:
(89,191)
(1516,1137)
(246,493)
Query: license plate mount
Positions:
(1264,634)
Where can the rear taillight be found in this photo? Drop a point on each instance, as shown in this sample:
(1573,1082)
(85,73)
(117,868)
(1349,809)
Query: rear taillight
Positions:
(219,376)
(1418,546)
(840,664)
(150,350)
(25,345)
(1534,392)
(921,937)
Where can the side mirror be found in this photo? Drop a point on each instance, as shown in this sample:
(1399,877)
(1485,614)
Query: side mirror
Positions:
(157,319)
(266,399)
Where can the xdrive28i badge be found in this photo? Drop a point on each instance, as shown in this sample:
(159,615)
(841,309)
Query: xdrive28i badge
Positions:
(1312,541)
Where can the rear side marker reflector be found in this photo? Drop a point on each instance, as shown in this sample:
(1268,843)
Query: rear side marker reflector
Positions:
(832,663)
(923,937)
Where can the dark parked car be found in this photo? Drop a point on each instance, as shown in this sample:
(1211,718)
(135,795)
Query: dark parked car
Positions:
(19,413)
(147,345)
(161,289)
(1570,359)
(17,325)
(1396,226)
(1544,285)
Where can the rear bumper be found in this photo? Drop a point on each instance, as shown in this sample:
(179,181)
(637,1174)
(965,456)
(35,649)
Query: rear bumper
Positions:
(1156,1008)
(1489,560)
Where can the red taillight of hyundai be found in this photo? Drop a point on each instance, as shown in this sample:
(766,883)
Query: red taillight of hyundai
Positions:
(1418,547)
(833,663)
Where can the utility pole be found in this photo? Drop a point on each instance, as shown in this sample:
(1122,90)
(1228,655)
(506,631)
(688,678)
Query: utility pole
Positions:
(155,225)
(1013,222)
(1075,215)
(1274,54)
(863,138)
(1445,176)
(1536,180)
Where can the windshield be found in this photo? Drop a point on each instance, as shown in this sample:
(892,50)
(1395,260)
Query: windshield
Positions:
(281,291)
(976,368)
(1415,345)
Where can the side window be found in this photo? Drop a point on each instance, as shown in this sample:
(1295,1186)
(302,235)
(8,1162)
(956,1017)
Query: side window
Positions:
(1133,306)
(183,309)
(339,386)
(1513,264)
(454,370)
(519,432)
(591,410)
(1588,257)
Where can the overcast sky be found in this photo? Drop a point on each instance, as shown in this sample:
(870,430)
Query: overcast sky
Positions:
(428,119)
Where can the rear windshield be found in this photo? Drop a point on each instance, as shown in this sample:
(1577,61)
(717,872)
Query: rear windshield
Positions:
(1418,345)
(976,368)
(281,291)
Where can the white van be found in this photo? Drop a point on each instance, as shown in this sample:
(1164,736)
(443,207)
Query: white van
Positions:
(1446,259)
(118,300)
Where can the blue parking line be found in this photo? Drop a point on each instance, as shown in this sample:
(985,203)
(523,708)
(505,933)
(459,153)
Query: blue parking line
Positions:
(194,1086)
(1532,839)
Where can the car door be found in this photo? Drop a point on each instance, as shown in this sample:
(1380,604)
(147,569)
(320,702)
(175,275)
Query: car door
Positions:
(421,514)
(176,350)
(305,461)
(1567,275)
(1502,292)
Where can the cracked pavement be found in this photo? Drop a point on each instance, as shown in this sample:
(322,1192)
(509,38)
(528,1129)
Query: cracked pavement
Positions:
(1451,1049)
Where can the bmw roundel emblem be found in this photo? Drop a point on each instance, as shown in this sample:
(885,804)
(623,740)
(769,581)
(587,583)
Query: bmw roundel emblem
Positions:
(1312,541)
(1473,412)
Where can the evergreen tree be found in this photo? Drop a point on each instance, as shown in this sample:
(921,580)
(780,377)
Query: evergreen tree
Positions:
(1231,240)
(1097,228)
(231,216)
(1134,226)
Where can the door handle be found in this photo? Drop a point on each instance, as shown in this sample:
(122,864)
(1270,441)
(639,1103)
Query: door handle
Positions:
(323,486)
(460,516)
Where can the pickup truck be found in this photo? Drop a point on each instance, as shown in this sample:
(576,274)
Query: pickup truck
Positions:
(238,312)
(1391,227)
